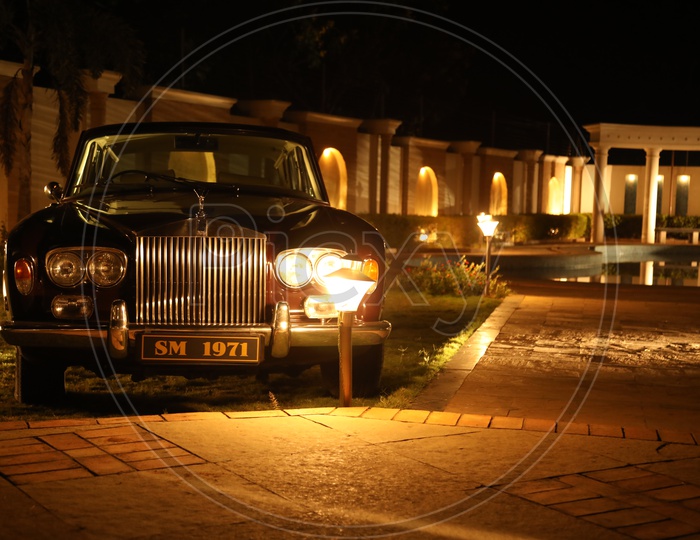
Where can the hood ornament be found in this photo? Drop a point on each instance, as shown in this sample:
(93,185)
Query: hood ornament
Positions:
(201,215)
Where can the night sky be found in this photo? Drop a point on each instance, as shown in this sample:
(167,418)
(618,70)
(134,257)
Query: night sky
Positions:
(526,76)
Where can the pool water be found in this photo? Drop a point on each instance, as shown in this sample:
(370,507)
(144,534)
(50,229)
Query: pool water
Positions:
(673,273)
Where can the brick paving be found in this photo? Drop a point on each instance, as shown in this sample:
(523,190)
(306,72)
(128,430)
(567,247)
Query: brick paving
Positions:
(81,453)
(628,500)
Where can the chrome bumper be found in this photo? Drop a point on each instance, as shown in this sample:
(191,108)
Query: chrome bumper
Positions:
(119,339)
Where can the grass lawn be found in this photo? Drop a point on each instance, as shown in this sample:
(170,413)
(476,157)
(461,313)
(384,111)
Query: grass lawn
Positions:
(426,332)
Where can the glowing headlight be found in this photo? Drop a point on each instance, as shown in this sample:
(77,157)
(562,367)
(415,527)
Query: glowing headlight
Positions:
(327,264)
(299,267)
(65,268)
(106,268)
(294,268)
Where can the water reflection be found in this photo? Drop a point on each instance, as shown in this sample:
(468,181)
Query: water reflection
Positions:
(669,273)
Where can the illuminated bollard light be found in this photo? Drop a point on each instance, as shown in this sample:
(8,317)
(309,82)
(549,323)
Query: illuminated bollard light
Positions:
(349,287)
(488,228)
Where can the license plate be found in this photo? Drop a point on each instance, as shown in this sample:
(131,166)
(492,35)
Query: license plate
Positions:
(202,348)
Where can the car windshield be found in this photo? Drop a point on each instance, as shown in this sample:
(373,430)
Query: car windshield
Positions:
(131,162)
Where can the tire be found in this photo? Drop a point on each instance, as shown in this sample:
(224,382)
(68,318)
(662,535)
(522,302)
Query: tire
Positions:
(38,381)
(367,363)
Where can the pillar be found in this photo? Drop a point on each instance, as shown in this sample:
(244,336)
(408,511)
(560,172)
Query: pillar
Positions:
(577,166)
(382,133)
(650,195)
(600,197)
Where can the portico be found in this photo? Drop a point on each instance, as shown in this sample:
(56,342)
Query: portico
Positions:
(653,140)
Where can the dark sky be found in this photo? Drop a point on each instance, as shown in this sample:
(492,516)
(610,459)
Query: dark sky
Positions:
(516,75)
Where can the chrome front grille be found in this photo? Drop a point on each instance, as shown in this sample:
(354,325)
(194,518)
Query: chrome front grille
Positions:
(192,280)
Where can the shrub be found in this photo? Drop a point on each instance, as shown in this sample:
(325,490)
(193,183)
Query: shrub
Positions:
(456,278)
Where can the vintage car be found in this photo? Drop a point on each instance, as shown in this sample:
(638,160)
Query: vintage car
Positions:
(194,249)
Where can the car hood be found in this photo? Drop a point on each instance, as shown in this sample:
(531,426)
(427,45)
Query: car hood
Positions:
(221,214)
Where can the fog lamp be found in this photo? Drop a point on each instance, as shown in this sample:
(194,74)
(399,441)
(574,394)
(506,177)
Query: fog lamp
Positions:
(320,307)
(71,306)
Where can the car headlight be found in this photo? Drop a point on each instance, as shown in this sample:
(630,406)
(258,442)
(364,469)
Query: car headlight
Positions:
(294,269)
(298,267)
(68,267)
(65,268)
(106,268)
(326,264)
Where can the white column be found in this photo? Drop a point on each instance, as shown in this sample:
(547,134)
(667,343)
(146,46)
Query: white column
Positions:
(577,165)
(649,210)
(600,197)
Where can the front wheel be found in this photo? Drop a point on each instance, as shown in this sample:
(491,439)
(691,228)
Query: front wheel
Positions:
(38,380)
(367,363)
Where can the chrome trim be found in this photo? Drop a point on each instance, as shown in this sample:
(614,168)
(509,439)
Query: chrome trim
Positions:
(373,333)
(118,342)
(281,329)
(201,281)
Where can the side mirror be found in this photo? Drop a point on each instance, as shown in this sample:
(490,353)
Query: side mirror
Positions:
(53,191)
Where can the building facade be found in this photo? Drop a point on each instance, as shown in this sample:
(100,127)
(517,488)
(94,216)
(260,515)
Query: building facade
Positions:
(369,169)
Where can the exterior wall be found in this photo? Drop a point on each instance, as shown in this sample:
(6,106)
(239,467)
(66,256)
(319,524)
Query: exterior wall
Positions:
(44,169)
(494,160)
(464,170)
(670,174)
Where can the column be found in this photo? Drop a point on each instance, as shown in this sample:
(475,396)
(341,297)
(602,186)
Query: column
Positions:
(382,134)
(468,187)
(98,90)
(650,195)
(373,169)
(577,165)
(530,192)
(600,197)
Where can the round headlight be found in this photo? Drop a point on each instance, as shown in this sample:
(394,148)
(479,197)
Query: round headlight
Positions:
(327,264)
(294,269)
(65,269)
(105,268)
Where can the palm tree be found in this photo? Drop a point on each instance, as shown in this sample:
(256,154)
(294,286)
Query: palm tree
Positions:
(62,41)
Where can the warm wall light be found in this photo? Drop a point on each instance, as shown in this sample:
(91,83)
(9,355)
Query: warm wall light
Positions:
(631,178)
(684,178)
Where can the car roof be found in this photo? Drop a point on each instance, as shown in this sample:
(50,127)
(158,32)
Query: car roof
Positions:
(208,127)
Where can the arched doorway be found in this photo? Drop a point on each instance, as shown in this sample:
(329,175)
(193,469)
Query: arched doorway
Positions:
(498,202)
(426,193)
(335,176)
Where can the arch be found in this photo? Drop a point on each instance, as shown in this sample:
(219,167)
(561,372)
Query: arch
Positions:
(498,203)
(555,197)
(426,193)
(335,176)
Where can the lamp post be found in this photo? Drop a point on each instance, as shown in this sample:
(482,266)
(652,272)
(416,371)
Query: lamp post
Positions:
(488,228)
(350,286)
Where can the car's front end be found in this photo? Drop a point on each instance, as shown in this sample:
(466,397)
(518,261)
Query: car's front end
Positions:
(191,249)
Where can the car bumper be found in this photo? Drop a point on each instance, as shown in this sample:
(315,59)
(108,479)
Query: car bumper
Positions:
(121,340)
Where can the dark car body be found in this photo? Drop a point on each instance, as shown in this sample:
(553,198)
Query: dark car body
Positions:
(191,248)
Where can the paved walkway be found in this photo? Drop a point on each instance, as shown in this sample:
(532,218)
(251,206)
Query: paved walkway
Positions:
(572,413)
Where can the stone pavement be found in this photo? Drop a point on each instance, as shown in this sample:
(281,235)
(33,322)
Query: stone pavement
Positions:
(571,413)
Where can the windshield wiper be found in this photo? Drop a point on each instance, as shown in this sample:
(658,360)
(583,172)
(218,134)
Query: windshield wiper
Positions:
(139,176)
